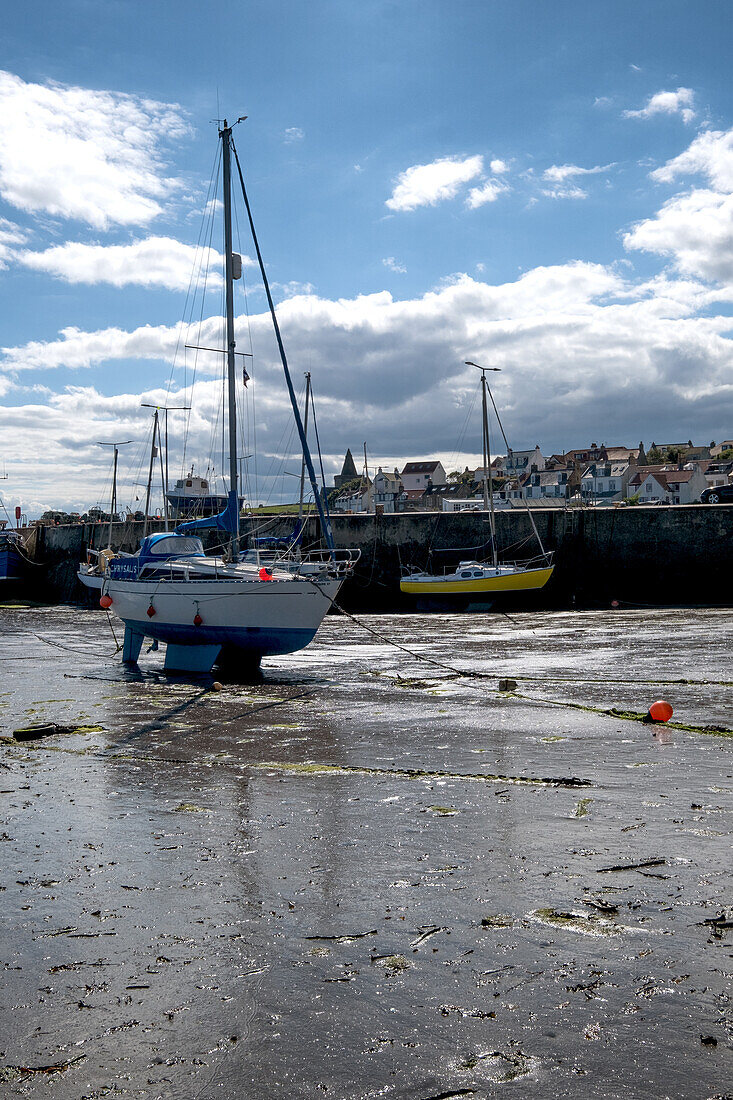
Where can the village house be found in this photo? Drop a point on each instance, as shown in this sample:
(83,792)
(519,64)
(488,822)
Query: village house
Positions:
(604,482)
(514,463)
(584,455)
(387,490)
(717,449)
(417,475)
(666,485)
(358,498)
(717,473)
(555,484)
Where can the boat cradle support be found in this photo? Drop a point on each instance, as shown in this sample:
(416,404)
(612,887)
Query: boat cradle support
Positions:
(178,658)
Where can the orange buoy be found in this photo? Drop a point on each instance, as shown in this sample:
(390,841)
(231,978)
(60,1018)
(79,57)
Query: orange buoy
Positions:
(151,611)
(105,602)
(197,620)
(660,711)
(265,574)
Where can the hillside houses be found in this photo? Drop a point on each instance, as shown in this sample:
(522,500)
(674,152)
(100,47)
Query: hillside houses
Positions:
(597,475)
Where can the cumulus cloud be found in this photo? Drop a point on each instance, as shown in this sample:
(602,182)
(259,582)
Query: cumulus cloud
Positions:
(428,184)
(695,229)
(488,192)
(710,154)
(498,167)
(667,103)
(94,155)
(581,349)
(155,261)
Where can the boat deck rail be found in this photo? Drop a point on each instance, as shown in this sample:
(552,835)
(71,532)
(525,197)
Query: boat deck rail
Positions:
(539,561)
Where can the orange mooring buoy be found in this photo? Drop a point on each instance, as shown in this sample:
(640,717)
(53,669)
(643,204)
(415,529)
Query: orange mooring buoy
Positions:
(265,574)
(105,602)
(660,711)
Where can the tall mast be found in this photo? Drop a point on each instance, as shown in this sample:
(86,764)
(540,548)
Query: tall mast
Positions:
(488,487)
(305,429)
(150,472)
(226,133)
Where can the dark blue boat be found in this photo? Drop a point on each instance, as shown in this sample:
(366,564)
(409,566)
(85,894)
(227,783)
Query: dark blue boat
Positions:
(12,560)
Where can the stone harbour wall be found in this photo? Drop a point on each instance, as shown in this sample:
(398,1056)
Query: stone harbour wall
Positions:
(643,555)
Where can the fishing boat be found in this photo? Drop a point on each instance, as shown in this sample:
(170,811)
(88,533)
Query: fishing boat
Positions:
(193,496)
(240,606)
(475,585)
(13,561)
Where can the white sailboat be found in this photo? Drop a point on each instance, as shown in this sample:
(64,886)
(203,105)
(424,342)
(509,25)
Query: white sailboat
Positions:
(237,608)
(475,584)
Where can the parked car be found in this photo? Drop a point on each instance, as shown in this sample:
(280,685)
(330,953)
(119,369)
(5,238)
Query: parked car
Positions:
(717,494)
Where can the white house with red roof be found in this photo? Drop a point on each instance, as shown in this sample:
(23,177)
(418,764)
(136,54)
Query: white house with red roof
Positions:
(670,486)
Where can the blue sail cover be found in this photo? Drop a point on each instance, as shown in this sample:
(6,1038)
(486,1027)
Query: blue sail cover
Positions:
(228,520)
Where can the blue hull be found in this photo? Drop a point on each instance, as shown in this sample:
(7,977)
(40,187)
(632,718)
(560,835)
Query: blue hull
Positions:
(12,566)
(250,641)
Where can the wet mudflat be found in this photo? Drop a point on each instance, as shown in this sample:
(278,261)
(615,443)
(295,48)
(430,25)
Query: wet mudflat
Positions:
(365,876)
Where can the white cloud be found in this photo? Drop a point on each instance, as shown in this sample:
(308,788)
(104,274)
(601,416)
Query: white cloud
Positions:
(294,133)
(488,192)
(565,192)
(155,261)
(10,234)
(584,352)
(498,167)
(93,156)
(710,154)
(667,103)
(695,230)
(559,173)
(392,265)
(428,184)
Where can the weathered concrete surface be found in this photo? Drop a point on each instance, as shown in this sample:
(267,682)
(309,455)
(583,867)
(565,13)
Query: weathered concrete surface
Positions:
(647,555)
(303,890)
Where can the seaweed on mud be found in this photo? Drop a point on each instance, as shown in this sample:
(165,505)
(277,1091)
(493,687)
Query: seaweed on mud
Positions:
(581,809)
(586,925)
(393,964)
(497,920)
(310,768)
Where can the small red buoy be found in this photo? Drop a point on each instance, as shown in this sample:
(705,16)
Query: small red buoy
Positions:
(660,711)
(265,574)
(614,603)
(105,602)
(197,620)
(151,611)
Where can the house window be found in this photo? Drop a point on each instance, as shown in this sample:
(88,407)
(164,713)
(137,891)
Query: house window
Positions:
(612,486)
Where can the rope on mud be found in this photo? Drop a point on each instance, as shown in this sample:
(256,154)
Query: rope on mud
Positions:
(606,712)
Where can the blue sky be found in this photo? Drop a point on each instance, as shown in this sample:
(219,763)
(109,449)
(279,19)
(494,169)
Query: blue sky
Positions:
(545,187)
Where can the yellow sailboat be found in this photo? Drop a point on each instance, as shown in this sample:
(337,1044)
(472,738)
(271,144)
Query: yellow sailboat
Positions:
(473,583)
